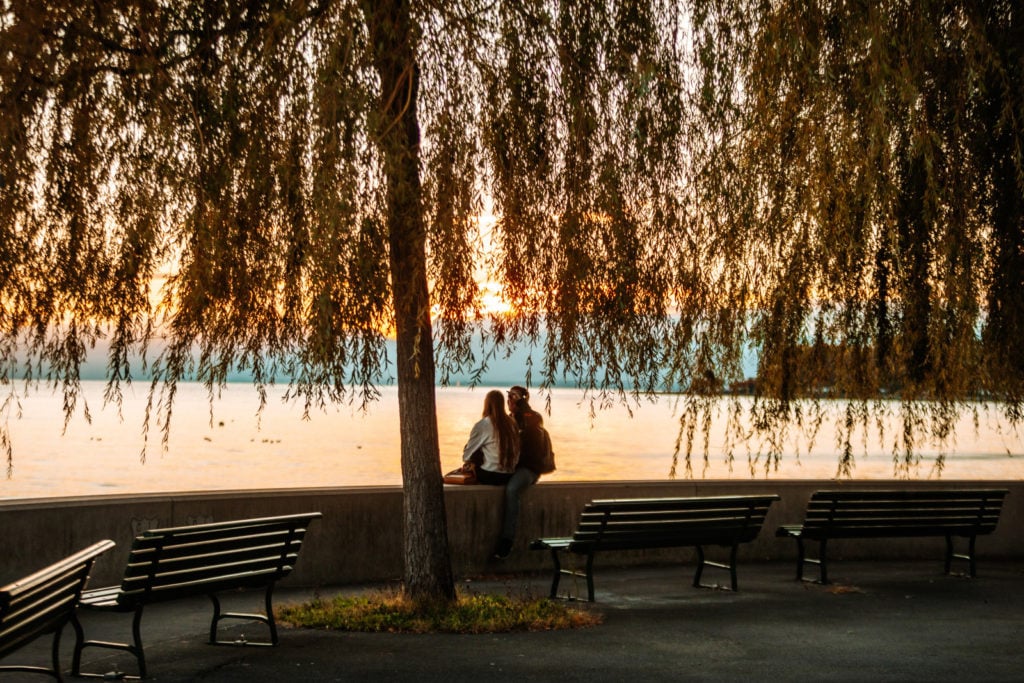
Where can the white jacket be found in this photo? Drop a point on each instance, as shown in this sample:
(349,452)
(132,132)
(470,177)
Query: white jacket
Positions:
(484,437)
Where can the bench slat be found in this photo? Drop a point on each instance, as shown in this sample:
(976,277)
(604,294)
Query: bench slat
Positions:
(156,571)
(171,544)
(909,494)
(696,516)
(825,502)
(164,592)
(973,509)
(194,530)
(209,556)
(101,596)
(892,532)
(896,514)
(208,574)
(697,503)
(680,535)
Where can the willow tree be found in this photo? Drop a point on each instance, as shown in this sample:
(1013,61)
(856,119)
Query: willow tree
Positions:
(834,187)
(870,176)
(299,180)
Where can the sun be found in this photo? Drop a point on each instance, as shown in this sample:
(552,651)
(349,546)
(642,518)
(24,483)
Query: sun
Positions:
(491,301)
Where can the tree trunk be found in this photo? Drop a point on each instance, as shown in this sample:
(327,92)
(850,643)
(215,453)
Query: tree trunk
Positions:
(428,571)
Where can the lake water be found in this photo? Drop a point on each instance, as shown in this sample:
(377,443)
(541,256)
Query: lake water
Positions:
(345,447)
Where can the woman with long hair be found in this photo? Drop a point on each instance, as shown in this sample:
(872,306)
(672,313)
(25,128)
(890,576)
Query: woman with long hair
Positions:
(493,444)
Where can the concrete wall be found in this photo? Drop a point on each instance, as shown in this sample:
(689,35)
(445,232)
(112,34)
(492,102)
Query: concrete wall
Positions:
(359,538)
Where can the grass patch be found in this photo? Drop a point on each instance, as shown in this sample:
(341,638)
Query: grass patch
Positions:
(475,613)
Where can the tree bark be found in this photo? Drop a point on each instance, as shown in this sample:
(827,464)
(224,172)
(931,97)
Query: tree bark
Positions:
(428,571)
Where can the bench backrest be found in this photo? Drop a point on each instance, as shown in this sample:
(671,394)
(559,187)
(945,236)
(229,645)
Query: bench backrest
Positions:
(44,601)
(903,513)
(668,522)
(166,564)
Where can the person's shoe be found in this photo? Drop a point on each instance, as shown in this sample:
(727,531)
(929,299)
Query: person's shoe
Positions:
(503,549)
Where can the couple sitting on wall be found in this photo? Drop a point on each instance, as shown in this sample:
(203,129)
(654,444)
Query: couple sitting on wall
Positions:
(511,450)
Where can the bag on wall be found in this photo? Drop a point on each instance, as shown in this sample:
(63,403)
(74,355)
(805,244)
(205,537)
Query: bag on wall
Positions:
(464,475)
(548,461)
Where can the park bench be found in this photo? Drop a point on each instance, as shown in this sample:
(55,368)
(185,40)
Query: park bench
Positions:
(648,523)
(204,559)
(892,514)
(43,603)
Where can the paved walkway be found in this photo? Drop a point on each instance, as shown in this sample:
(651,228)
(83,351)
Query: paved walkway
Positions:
(902,621)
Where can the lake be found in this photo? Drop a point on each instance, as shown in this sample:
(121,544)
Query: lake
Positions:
(345,447)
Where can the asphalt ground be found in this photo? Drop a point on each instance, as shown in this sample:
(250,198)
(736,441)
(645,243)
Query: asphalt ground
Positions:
(877,621)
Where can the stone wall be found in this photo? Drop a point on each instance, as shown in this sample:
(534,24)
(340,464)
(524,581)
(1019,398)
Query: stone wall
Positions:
(359,538)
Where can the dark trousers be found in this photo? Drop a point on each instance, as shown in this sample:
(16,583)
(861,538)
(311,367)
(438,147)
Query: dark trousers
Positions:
(523,479)
(492,478)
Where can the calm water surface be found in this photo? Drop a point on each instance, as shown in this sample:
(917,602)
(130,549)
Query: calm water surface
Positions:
(344,447)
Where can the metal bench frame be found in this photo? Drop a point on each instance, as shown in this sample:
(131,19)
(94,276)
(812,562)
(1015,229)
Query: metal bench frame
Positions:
(205,559)
(648,523)
(891,514)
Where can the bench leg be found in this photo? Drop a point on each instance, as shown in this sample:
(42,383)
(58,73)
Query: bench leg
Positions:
(700,567)
(268,602)
(973,565)
(54,658)
(135,648)
(558,573)
(76,657)
(732,568)
(702,562)
(950,555)
(802,559)
(590,577)
(140,654)
(218,615)
(55,654)
(556,576)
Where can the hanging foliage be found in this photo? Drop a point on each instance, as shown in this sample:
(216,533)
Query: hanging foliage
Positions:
(829,192)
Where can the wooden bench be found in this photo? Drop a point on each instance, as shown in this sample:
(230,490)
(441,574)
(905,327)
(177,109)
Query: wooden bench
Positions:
(205,559)
(43,603)
(889,514)
(646,523)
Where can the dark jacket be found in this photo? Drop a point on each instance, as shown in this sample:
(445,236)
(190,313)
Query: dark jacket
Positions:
(531,439)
